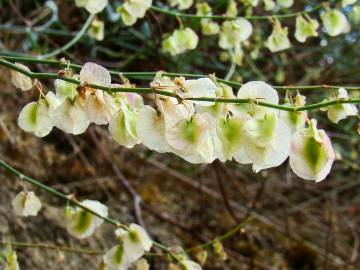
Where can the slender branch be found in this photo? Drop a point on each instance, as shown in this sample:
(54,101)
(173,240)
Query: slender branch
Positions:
(63,196)
(60,248)
(71,200)
(149,75)
(124,182)
(148,90)
(222,237)
(18,29)
(72,42)
(223,192)
(56,193)
(51,246)
(176,13)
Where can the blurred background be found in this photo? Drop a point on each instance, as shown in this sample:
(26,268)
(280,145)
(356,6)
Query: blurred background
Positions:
(295,224)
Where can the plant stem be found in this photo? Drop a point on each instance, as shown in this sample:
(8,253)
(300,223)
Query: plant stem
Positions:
(18,29)
(149,75)
(148,90)
(226,235)
(231,71)
(56,193)
(51,246)
(176,13)
(72,42)
(65,197)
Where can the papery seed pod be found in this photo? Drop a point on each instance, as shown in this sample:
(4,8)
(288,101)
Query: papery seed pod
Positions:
(71,116)
(36,118)
(234,32)
(269,4)
(92,6)
(180,41)
(285,3)
(81,223)
(231,134)
(100,107)
(268,142)
(65,89)
(306,27)
(278,40)
(26,204)
(96,29)
(340,111)
(142,264)
(311,154)
(209,27)
(335,22)
(11,261)
(188,134)
(182,4)
(20,80)
(258,90)
(92,73)
(219,250)
(203,87)
(132,10)
(231,10)
(190,265)
(150,129)
(122,126)
(133,244)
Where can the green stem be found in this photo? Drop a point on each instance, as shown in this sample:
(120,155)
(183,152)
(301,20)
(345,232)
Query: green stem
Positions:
(231,71)
(149,75)
(51,246)
(72,42)
(72,201)
(176,13)
(148,90)
(56,193)
(17,29)
(226,235)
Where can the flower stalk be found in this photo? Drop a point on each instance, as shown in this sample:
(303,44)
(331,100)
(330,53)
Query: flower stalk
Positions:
(149,90)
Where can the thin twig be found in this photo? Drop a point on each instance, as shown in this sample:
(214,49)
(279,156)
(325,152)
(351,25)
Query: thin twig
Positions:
(124,182)
(176,13)
(328,239)
(223,192)
(254,214)
(51,246)
(147,90)
(72,42)
(149,75)
(63,196)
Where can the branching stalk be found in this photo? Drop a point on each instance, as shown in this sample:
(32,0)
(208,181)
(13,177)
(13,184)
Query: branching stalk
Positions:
(176,13)
(148,90)
(72,201)
(51,246)
(72,42)
(149,75)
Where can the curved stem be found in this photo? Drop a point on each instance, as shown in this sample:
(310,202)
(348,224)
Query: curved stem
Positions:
(176,13)
(56,193)
(226,235)
(18,29)
(51,246)
(230,72)
(72,42)
(149,75)
(71,200)
(148,90)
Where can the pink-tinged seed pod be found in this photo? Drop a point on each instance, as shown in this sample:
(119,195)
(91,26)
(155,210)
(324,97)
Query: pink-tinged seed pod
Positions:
(311,153)
(95,74)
